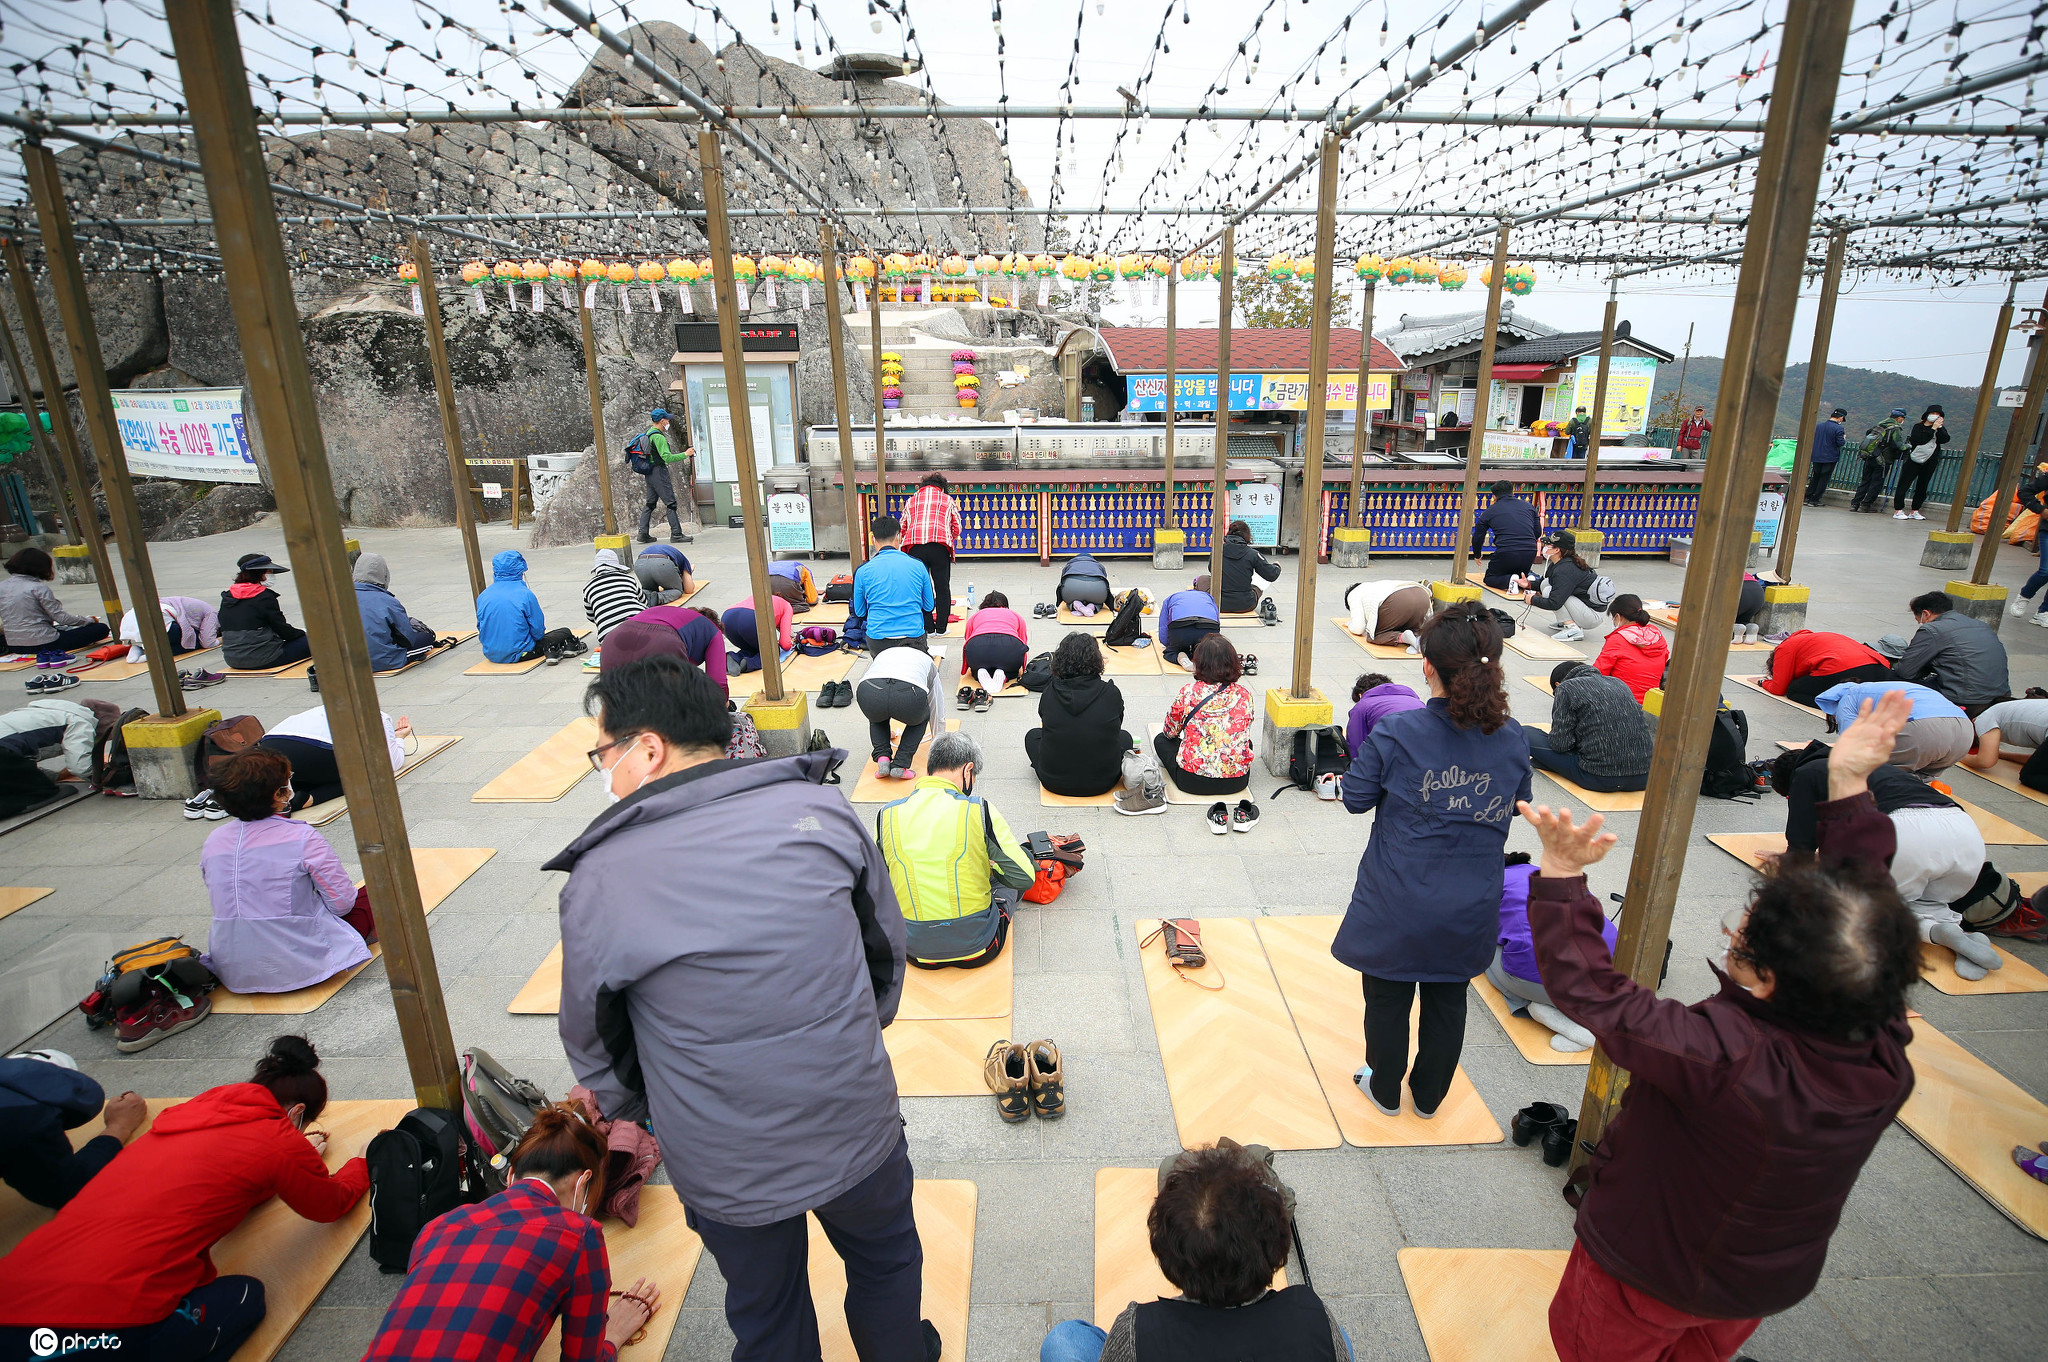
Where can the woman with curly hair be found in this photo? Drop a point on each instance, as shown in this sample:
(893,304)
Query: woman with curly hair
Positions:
(1078,748)
(1442,782)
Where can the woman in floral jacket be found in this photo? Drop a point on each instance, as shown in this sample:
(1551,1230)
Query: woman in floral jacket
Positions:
(1206,746)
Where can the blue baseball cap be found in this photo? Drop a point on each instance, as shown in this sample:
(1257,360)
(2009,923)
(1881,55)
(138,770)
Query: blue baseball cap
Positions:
(1898,411)
(658,414)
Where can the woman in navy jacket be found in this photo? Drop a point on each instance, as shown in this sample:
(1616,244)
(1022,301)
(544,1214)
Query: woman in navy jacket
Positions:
(1444,781)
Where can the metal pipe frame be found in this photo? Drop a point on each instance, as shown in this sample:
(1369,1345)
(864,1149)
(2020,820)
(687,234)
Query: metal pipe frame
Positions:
(598,444)
(1219,492)
(849,487)
(1361,417)
(1809,407)
(1599,414)
(82,337)
(2019,438)
(68,499)
(1986,390)
(1328,167)
(451,424)
(1759,332)
(1482,407)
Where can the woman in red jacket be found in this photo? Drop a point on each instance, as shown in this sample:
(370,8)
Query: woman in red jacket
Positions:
(1716,1187)
(128,1256)
(1635,652)
(1807,663)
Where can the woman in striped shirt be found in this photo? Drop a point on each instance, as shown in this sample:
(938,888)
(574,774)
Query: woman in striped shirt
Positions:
(612,595)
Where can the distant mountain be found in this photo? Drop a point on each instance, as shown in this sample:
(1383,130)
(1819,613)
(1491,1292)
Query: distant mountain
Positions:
(1869,394)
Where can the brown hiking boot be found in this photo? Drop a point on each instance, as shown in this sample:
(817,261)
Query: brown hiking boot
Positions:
(1047,1079)
(1007,1073)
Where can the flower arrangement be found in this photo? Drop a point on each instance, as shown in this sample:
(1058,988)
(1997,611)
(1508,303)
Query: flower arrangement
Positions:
(892,397)
(964,356)
(1369,268)
(966,380)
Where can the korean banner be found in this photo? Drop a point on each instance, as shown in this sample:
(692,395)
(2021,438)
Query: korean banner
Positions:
(196,434)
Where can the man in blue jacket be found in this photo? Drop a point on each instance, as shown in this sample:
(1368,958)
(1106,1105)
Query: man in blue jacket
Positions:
(892,592)
(509,623)
(1827,452)
(42,1095)
(1515,531)
(396,638)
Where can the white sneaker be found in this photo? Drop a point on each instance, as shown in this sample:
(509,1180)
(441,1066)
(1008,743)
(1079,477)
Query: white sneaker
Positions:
(1740,633)
(2020,606)
(1414,642)
(1900,515)
(1751,633)
(2039,617)
(1915,515)
(1571,633)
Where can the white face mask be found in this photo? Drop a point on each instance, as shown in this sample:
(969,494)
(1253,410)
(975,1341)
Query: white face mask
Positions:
(612,796)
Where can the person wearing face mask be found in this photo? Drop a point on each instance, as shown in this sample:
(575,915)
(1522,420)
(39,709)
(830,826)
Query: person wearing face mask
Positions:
(1714,1190)
(129,1254)
(500,1273)
(285,913)
(742,1013)
(957,867)
(307,742)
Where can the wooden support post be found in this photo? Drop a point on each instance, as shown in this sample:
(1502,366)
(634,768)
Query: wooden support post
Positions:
(451,425)
(1809,407)
(1759,331)
(1166,516)
(1482,410)
(81,334)
(70,459)
(711,161)
(1958,507)
(281,395)
(1361,420)
(849,487)
(1219,490)
(1318,419)
(875,368)
(2019,438)
(599,446)
(1599,415)
(68,499)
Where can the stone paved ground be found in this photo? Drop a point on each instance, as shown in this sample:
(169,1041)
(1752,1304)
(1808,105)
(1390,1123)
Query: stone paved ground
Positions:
(1921,1267)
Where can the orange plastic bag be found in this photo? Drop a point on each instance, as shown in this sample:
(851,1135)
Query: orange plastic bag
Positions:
(2022,528)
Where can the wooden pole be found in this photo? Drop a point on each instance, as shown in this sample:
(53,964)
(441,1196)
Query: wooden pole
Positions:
(849,487)
(68,500)
(599,446)
(1318,418)
(81,334)
(875,369)
(69,458)
(1809,407)
(1361,427)
(1482,407)
(1219,491)
(451,426)
(1988,389)
(1599,415)
(1166,516)
(711,161)
(2019,438)
(281,393)
(1759,331)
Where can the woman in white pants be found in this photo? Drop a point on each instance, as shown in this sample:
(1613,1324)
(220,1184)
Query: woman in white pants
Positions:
(1566,577)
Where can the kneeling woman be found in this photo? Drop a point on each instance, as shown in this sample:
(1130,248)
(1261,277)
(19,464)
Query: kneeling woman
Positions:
(741,627)
(1205,743)
(1078,750)
(129,1253)
(997,641)
(507,1268)
(285,914)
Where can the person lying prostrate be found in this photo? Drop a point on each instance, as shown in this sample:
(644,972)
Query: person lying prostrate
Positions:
(1078,748)
(1241,562)
(739,626)
(998,641)
(1515,971)
(664,573)
(254,634)
(129,1253)
(1388,613)
(1185,619)
(190,624)
(307,742)
(1599,737)
(395,637)
(2013,731)
(1940,850)
(1373,698)
(611,595)
(46,722)
(1083,581)
(703,641)
(956,867)
(1205,743)
(285,913)
(42,1095)
(509,622)
(32,619)
(1937,736)
(1807,663)
(1635,651)
(506,1269)
(902,684)
(1714,1190)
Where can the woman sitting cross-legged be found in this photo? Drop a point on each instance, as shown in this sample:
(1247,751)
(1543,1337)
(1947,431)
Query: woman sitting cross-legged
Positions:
(1206,743)
(1078,748)
(507,1268)
(1599,738)
(285,914)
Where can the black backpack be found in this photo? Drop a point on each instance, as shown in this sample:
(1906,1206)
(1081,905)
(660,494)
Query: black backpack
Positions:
(1317,752)
(1727,774)
(640,454)
(419,1170)
(1129,624)
(1504,620)
(1037,673)
(110,758)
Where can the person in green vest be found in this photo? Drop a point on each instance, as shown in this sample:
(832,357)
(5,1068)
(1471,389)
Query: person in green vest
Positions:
(1579,430)
(662,460)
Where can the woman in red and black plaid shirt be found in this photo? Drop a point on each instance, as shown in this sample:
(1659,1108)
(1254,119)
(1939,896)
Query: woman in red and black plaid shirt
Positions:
(488,1281)
(931,535)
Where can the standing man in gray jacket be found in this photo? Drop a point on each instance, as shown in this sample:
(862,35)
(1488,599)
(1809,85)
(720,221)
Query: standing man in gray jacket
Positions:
(1956,654)
(742,1010)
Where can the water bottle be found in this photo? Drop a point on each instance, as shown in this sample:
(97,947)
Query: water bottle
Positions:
(970,597)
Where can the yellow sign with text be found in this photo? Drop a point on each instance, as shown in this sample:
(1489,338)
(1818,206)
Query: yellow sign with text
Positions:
(1289,392)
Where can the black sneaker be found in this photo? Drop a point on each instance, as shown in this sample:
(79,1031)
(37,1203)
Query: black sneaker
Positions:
(554,655)
(646,539)
(1244,817)
(682,539)
(204,805)
(933,1346)
(1218,818)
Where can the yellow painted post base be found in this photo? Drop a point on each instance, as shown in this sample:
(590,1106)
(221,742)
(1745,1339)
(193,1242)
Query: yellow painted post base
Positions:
(1450,593)
(1653,700)
(785,724)
(164,753)
(354,550)
(1285,715)
(617,543)
(1589,544)
(1350,548)
(1169,549)
(1759,556)
(1948,552)
(1984,602)
(1784,609)
(74,565)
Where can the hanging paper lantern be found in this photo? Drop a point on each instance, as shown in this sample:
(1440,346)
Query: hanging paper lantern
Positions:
(1130,267)
(1194,270)
(1521,280)
(650,271)
(408,271)
(954,266)
(1102,267)
(744,270)
(592,270)
(561,269)
(1400,270)
(1424,269)
(1305,268)
(1280,267)
(987,266)
(681,270)
(532,271)
(861,268)
(1043,266)
(475,272)
(1074,267)
(1450,277)
(895,266)
(619,272)
(505,271)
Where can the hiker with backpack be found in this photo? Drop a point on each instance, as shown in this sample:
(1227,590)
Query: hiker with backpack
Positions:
(1635,651)
(1441,783)
(1881,447)
(1923,456)
(1570,588)
(740,626)
(931,535)
(509,622)
(1205,743)
(652,456)
(1600,737)
(998,641)
(500,1273)
(1078,748)
(1516,529)
(129,1255)
(1241,563)
(611,594)
(1388,614)
(664,573)
(32,619)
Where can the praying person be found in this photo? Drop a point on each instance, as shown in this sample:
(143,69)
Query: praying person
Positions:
(1564,584)
(1599,738)
(892,592)
(1957,654)
(254,634)
(1387,613)
(42,1095)
(611,595)
(741,627)
(32,619)
(1635,651)
(1078,748)
(1083,581)
(1807,663)
(702,639)
(956,866)
(1373,698)
(998,641)
(2013,731)
(1205,743)
(902,685)
(1515,527)
(1241,563)
(1515,971)
(510,624)
(1937,735)
(664,573)
(190,625)
(307,742)
(395,638)
(1185,619)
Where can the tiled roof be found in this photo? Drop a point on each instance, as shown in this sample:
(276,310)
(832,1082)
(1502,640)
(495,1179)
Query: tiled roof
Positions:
(1253,350)
(1565,345)
(1417,335)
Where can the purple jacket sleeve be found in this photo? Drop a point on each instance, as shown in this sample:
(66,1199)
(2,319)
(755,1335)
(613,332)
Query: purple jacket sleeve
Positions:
(328,877)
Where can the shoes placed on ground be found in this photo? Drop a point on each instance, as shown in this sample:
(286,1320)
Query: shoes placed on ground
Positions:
(1363,1078)
(1329,785)
(981,700)
(1149,797)
(1531,1121)
(49,682)
(965,699)
(1251,664)
(204,805)
(846,694)
(200,680)
(2024,923)
(53,659)
(1007,1071)
(1219,818)
(1571,633)
(1269,613)
(1244,817)
(161,1019)
(1557,1143)
(1778,637)
(1046,1080)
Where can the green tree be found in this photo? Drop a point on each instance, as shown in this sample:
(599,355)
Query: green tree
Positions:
(1261,300)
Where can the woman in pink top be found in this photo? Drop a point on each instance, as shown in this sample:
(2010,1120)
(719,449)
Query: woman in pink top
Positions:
(997,641)
(285,914)
(738,623)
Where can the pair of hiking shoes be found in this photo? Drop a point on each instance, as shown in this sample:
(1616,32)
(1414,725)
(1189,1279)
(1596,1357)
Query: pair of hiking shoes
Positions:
(835,695)
(1026,1079)
(972,697)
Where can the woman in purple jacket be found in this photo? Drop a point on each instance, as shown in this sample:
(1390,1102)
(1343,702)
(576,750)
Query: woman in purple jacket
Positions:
(1714,1190)
(1373,698)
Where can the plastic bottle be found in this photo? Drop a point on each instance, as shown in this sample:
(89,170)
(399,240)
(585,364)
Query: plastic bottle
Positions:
(970,597)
